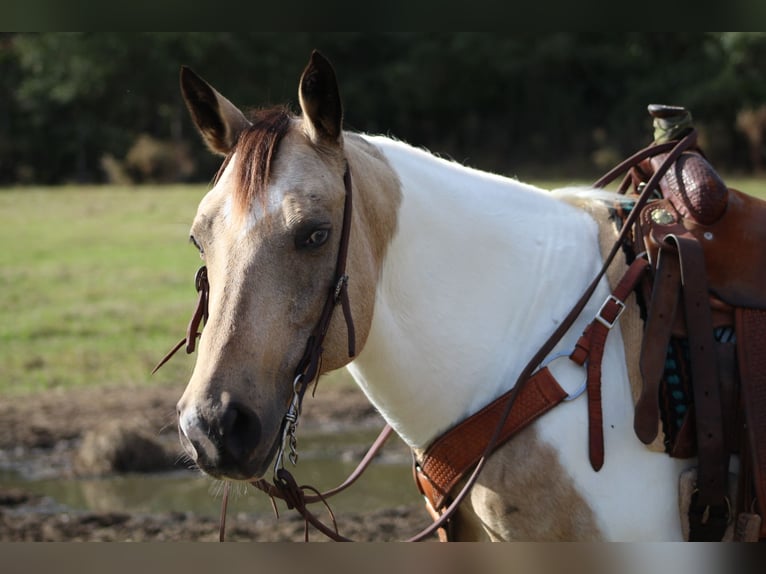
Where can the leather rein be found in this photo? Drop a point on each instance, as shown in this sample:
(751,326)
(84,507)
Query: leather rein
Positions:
(284,486)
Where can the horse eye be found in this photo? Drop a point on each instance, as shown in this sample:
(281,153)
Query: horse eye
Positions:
(319,236)
(314,239)
(197,245)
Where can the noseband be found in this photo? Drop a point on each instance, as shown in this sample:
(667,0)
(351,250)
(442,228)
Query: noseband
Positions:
(308,367)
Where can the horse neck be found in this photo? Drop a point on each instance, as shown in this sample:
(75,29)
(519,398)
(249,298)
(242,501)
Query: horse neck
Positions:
(478,273)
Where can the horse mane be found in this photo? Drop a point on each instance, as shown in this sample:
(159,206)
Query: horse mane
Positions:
(255,148)
(586,197)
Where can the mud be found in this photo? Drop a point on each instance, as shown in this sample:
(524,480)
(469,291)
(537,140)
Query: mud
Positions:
(61,434)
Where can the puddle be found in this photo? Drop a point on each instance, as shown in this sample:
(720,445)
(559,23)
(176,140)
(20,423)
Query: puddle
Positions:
(325,461)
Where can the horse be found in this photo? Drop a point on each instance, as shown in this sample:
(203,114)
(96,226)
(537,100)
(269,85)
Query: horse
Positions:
(455,276)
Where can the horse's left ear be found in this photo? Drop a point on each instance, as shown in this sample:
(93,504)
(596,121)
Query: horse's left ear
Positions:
(320,101)
(218,120)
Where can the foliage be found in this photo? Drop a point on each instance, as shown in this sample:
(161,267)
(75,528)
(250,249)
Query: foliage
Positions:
(549,104)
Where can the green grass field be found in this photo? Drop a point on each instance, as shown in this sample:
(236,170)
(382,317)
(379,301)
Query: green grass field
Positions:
(96,283)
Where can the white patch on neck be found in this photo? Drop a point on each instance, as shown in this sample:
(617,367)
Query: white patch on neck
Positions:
(468,290)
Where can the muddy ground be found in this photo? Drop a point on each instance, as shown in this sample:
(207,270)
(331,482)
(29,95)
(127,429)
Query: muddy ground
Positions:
(55,425)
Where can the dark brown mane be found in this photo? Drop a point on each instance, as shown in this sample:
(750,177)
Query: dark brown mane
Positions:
(255,151)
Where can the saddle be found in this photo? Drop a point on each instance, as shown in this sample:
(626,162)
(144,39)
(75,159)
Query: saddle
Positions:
(705,317)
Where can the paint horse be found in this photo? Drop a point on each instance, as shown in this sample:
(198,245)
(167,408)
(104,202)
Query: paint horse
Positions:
(453,276)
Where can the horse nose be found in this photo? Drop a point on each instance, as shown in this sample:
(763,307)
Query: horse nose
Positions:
(239,431)
(219,439)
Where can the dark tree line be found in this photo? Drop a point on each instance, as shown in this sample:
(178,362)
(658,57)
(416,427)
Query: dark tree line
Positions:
(92,107)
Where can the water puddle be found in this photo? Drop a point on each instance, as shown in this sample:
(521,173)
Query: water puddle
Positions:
(325,461)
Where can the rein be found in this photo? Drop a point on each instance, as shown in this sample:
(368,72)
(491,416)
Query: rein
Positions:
(285,487)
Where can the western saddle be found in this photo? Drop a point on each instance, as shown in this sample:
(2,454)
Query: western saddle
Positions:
(703,356)
(702,297)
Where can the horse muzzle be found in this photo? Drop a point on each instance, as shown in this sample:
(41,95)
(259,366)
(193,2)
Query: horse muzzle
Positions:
(224,440)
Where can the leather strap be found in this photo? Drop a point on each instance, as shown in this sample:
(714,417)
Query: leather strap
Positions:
(590,348)
(450,456)
(708,514)
(654,345)
(199,317)
(751,351)
(374,449)
(308,366)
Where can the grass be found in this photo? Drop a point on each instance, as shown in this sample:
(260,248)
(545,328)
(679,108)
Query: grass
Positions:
(97,283)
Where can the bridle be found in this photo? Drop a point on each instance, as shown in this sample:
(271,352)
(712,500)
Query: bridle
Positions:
(308,367)
(284,486)
(309,364)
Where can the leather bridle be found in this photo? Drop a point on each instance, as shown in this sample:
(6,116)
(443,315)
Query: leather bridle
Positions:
(306,371)
(309,365)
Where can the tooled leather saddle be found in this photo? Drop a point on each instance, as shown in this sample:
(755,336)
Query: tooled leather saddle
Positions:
(705,318)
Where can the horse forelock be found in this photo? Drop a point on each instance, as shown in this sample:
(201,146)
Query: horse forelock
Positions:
(255,150)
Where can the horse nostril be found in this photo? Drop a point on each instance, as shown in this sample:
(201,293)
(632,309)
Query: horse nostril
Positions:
(240,430)
(194,433)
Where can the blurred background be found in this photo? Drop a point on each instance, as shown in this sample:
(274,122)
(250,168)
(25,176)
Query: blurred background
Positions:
(105,107)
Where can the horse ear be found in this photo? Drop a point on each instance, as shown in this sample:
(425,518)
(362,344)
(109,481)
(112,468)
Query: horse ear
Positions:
(320,101)
(218,120)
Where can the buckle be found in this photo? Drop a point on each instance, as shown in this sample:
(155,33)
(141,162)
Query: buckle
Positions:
(339,286)
(200,278)
(600,318)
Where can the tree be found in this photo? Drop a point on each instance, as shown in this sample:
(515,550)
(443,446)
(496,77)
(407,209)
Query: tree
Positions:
(526,104)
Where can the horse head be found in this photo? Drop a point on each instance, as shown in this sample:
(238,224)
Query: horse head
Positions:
(269,232)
